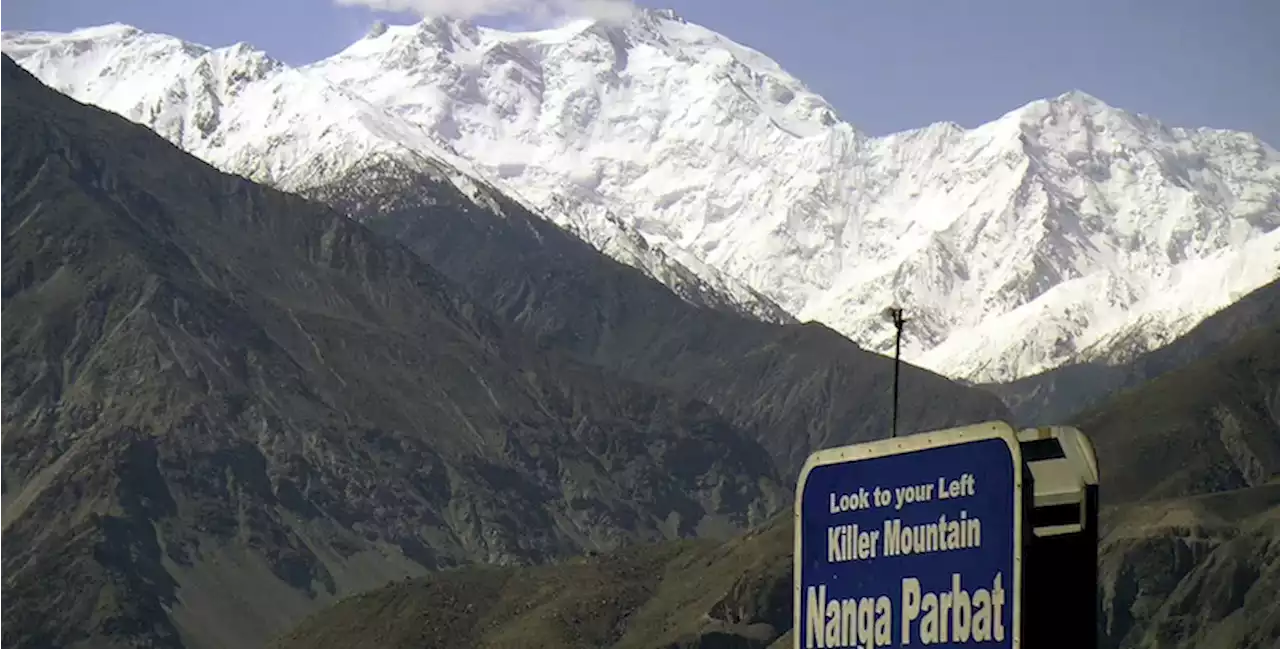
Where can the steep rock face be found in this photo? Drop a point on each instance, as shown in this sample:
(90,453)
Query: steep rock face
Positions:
(794,388)
(225,406)
(1197,572)
(1066,230)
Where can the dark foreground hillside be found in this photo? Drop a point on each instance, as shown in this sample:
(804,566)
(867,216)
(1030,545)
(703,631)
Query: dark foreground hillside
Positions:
(1194,573)
(681,594)
(1197,571)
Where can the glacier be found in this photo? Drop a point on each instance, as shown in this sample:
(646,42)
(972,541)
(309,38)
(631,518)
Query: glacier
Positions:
(1062,231)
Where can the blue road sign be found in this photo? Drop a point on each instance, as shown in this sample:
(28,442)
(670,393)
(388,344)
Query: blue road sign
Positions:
(910,542)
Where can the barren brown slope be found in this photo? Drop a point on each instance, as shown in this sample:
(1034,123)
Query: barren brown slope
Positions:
(687,594)
(225,406)
(1192,573)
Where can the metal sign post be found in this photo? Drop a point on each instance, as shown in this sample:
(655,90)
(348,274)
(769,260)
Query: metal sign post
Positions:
(913,541)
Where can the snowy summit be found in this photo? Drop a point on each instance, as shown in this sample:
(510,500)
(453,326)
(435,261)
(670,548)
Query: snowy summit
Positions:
(1064,230)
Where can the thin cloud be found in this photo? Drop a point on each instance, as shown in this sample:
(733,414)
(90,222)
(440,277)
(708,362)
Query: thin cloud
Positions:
(539,10)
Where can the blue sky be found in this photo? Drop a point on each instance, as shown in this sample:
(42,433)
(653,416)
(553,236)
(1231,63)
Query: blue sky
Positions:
(886,65)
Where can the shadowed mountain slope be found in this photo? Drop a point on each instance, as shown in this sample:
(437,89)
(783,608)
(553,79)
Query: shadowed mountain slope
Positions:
(225,406)
(1213,425)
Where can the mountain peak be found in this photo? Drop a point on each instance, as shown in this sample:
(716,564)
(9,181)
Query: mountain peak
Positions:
(1077,96)
(1070,102)
(446,32)
(1068,217)
(668,15)
(442,23)
(1079,101)
(1073,111)
(114,30)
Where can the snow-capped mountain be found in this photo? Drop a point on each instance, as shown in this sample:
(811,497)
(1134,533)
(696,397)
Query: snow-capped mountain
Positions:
(246,113)
(1064,230)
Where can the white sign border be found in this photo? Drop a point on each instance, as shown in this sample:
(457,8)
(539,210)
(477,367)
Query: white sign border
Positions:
(908,444)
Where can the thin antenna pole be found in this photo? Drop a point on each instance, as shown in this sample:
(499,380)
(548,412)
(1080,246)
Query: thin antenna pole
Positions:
(898,322)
